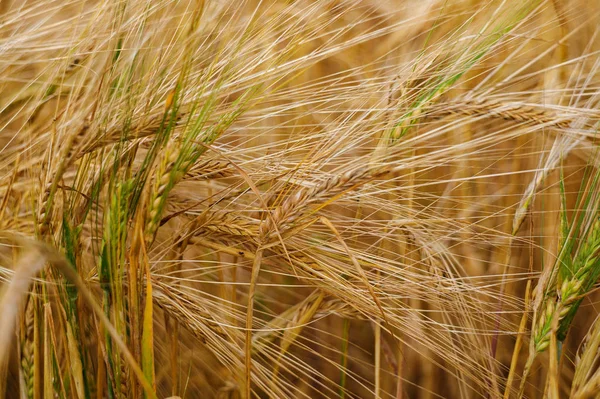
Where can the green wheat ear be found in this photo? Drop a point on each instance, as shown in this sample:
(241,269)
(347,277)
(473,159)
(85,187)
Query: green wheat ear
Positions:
(574,276)
(586,270)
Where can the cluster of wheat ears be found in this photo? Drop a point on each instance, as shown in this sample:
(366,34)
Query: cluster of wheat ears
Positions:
(299,199)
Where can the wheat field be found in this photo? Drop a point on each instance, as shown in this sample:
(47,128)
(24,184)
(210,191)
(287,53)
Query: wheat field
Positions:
(299,199)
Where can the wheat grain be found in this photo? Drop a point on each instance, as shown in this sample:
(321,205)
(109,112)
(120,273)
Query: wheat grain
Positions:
(533,114)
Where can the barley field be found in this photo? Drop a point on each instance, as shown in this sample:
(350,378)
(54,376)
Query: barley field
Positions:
(299,199)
